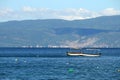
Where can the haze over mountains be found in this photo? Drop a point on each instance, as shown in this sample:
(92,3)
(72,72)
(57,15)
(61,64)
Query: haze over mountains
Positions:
(96,32)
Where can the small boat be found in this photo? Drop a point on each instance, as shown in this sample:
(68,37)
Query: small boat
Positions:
(83,54)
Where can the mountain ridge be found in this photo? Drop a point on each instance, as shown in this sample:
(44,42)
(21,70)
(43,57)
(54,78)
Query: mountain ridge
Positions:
(98,32)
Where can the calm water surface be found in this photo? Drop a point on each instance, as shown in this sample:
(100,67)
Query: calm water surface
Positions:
(106,67)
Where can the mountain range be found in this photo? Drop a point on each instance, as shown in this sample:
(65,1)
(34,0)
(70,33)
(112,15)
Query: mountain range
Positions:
(102,31)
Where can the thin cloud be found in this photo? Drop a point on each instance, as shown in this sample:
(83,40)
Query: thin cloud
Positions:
(110,11)
(29,9)
(45,13)
(5,11)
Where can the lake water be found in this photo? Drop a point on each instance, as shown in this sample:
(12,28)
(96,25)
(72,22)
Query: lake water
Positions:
(54,64)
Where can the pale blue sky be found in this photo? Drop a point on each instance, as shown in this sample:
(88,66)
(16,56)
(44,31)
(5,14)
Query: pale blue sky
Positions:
(90,5)
(62,4)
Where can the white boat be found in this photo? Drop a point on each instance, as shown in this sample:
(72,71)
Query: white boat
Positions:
(82,54)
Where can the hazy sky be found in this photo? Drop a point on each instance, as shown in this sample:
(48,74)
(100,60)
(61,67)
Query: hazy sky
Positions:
(57,9)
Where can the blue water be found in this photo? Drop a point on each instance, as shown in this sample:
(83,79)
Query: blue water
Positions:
(53,64)
(53,52)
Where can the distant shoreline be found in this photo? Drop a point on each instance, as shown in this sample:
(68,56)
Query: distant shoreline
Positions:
(65,47)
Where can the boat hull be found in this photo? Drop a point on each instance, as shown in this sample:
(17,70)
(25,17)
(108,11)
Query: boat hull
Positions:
(82,54)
